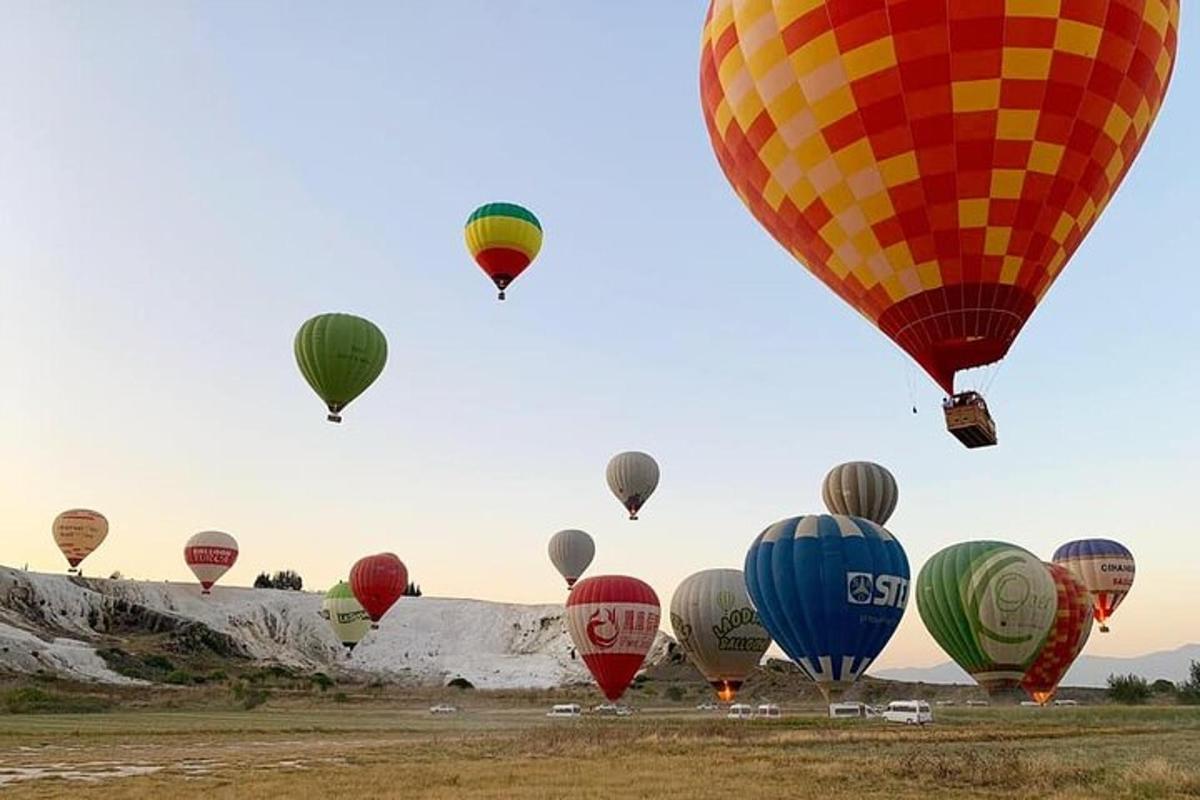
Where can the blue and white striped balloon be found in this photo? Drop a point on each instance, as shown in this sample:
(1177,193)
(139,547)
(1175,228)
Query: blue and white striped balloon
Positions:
(831,590)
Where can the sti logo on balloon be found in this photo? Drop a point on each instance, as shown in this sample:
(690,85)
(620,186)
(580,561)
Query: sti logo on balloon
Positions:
(864,589)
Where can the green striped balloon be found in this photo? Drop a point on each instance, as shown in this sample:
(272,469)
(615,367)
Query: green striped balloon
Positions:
(340,355)
(990,606)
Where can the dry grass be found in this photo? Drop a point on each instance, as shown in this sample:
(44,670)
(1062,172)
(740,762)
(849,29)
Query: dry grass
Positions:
(493,751)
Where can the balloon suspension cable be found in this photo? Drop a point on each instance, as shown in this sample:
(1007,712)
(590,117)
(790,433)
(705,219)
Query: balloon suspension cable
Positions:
(987,385)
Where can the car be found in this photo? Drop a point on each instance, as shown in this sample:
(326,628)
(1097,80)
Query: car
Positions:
(850,710)
(1030,704)
(977,703)
(1066,702)
(708,707)
(740,711)
(443,708)
(564,710)
(613,710)
(944,703)
(910,712)
(767,711)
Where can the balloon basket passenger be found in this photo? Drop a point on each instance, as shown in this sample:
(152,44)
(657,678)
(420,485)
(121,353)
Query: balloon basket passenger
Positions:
(968,418)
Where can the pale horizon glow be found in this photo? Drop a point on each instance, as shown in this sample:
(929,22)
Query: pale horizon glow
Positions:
(184,184)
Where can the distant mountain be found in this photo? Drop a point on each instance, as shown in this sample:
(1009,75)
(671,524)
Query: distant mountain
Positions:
(1087,671)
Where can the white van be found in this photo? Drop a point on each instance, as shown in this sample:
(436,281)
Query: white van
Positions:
(767,711)
(848,710)
(564,710)
(740,711)
(1066,702)
(910,712)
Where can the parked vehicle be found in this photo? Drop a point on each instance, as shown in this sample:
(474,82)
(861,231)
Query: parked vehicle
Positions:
(910,712)
(767,711)
(740,711)
(612,710)
(1030,704)
(976,703)
(565,710)
(850,711)
(443,708)
(708,707)
(1066,702)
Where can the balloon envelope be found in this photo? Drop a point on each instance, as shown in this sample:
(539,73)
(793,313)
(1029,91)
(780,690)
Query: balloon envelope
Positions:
(718,628)
(1105,567)
(571,552)
(345,615)
(340,355)
(78,533)
(935,164)
(861,489)
(503,238)
(632,476)
(613,620)
(990,606)
(210,554)
(378,581)
(1069,633)
(830,590)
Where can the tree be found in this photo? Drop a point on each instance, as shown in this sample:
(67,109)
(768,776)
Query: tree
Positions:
(1129,689)
(263,581)
(1163,686)
(283,579)
(1189,690)
(412,590)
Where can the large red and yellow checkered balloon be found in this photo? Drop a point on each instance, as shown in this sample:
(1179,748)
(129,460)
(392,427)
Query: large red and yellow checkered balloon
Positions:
(934,163)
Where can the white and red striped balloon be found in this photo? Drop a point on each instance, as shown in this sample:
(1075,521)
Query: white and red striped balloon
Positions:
(613,620)
(210,554)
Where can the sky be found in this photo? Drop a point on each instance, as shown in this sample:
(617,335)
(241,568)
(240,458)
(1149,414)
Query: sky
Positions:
(183,184)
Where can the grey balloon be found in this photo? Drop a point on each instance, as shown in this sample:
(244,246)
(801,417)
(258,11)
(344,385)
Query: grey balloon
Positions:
(632,477)
(717,626)
(571,552)
(861,489)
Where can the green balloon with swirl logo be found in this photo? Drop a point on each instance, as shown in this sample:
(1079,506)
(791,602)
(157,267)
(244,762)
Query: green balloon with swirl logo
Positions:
(990,606)
(340,355)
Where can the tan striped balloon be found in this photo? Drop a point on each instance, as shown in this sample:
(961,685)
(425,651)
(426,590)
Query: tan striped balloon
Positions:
(861,489)
(77,533)
(632,477)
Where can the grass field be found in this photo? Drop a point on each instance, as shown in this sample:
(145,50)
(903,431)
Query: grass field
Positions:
(498,751)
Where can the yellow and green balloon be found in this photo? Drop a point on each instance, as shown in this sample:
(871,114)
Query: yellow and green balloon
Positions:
(340,355)
(503,238)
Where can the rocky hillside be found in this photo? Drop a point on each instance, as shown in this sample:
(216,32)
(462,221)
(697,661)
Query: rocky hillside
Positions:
(93,629)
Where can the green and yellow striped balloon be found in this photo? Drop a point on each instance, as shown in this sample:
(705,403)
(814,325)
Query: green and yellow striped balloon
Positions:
(503,238)
(990,606)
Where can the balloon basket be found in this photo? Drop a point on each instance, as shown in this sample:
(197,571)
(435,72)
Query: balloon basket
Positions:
(334,417)
(968,419)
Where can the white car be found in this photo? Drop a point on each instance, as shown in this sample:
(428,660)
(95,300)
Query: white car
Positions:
(740,711)
(708,707)
(613,710)
(1030,704)
(910,712)
(977,703)
(767,711)
(443,708)
(565,710)
(1066,702)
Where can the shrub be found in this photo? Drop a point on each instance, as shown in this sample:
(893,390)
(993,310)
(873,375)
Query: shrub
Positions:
(1189,690)
(178,677)
(1162,686)
(322,681)
(674,693)
(31,700)
(461,683)
(1129,689)
(155,661)
(340,697)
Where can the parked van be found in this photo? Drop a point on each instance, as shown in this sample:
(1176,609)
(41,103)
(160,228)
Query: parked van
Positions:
(767,711)
(910,712)
(564,710)
(740,711)
(849,710)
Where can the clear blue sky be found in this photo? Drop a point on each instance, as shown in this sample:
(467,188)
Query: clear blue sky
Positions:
(181,185)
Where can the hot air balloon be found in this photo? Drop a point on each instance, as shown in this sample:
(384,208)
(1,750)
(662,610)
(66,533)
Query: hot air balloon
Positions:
(345,615)
(632,477)
(990,606)
(340,355)
(503,238)
(571,552)
(933,164)
(613,620)
(860,489)
(1105,567)
(77,533)
(210,554)
(378,582)
(718,628)
(1068,635)
(831,591)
